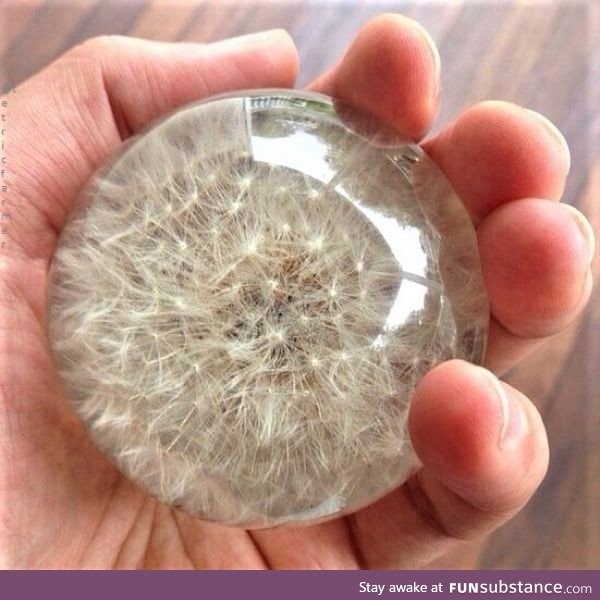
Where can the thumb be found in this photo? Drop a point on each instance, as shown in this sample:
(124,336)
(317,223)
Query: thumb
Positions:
(144,79)
(66,120)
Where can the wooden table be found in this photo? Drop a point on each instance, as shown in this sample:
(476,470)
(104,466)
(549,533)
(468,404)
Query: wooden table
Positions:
(541,55)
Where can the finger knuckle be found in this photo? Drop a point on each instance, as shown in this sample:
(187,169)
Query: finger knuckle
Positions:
(97,47)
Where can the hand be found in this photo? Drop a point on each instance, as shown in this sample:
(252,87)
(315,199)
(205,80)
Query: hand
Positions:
(484,449)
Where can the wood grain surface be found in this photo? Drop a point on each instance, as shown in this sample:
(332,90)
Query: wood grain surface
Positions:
(539,54)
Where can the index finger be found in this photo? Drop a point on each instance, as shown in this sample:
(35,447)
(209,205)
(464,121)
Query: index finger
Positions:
(391,71)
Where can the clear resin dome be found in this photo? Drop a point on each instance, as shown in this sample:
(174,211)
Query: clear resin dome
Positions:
(243,301)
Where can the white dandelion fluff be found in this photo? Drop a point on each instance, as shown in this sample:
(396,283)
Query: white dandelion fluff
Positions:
(245,298)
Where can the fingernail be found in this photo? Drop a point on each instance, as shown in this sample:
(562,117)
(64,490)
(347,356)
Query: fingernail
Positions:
(554,132)
(514,421)
(250,40)
(437,63)
(586,230)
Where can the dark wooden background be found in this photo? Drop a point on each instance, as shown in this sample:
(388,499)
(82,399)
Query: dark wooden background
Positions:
(539,54)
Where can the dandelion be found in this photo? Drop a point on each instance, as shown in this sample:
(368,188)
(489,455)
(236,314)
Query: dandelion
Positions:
(218,315)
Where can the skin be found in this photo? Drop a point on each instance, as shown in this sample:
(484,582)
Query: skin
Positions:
(482,443)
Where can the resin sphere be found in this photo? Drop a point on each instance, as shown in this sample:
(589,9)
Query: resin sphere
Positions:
(244,299)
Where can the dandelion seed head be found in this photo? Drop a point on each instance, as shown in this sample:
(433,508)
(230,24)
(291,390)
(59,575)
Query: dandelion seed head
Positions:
(240,319)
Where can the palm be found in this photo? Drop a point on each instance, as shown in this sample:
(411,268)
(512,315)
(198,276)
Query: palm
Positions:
(62,503)
(84,513)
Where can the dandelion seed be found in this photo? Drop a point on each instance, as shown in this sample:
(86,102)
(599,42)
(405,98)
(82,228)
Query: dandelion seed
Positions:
(246,182)
(278,335)
(316,243)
